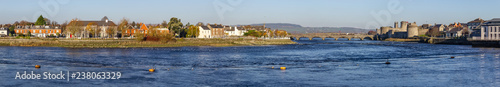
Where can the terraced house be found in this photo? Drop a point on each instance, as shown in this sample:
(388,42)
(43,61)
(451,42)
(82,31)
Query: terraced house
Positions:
(38,30)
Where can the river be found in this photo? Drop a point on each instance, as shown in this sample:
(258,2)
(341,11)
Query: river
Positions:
(308,63)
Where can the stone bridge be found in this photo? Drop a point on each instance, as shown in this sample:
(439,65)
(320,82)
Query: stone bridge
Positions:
(336,36)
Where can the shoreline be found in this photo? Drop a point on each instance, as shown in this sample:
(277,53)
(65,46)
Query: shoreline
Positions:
(132,43)
(473,43)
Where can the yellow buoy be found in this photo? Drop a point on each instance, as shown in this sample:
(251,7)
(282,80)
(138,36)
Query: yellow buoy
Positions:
(282,68)
(272,67)
(37,66)
(151,70)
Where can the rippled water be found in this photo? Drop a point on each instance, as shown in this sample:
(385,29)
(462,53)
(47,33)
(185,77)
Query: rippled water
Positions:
(309,63)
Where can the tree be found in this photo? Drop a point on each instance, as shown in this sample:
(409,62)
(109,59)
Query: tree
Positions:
(175,25)
(164,23)
(111,31)
(11,29)
(29,33)
(72,28)
(91,28)
(253,33)
(372,33)
(434,32)
(193,31)
(40,21)
(123,26)
(133,24)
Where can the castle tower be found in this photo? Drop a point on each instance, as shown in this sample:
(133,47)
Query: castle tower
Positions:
(384,30)
(396,25)
(404,25)
(378,31)
(412,30)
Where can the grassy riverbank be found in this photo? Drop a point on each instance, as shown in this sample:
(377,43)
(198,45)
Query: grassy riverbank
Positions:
(126,43)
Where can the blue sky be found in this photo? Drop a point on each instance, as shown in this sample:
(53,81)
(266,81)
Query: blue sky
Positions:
(309,13)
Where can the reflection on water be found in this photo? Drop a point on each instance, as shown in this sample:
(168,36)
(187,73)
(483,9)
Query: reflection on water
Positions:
(309,63)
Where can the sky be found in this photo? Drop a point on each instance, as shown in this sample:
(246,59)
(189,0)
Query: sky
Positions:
(367,14)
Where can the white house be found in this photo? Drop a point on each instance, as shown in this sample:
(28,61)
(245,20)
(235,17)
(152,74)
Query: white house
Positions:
(240,31)
(491,30)
(204,32)
(3,31)
(229,31)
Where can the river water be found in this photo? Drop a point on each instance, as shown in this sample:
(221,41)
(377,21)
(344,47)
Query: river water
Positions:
(309,63)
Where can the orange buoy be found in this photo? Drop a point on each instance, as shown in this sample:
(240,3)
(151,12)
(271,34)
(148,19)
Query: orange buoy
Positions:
(151,70)
(37,66)
(282,68)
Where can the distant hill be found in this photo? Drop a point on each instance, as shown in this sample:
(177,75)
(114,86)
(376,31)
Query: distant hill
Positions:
(295,28)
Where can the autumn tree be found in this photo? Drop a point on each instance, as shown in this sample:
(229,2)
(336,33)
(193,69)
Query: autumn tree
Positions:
(111,31)
(123,26)
(434,32)
(40,21)
(193,31)
(91,27)
(254,33)
(72,28)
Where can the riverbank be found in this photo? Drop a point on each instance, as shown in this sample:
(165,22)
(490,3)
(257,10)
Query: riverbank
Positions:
(462,41)
(127,43)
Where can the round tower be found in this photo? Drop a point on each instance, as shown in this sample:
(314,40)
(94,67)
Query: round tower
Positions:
(404,25)
(412,30)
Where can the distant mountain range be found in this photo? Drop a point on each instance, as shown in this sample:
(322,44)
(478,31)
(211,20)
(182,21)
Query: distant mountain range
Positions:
(295,28)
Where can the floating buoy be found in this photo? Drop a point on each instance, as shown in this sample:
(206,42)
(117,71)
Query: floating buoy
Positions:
(387,62)
(282,68)
(37,66)
(272,67)
(452,57)
(152,70)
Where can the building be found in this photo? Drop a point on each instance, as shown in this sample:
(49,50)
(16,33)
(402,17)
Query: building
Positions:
(144,30)
(4,31)
(99,26)
(475,24)
(205,32)
(38,30)
(457,32)
(240,31)
(490,30)
(216,30)
(229,31)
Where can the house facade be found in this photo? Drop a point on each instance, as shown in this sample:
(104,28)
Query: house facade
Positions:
(38,30)
(240,31)
(216,30)
(4,31)
(490,30)
(99,27)
(205,32)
